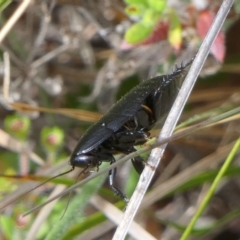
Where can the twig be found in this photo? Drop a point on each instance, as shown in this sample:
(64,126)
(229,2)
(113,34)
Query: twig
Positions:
(15,59)
(6,81)
(13,19)
(114,214)
(44,24)
(49,56)
(171,121)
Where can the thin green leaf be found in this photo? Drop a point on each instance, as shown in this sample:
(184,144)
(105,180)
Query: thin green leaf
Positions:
(137,33)
(211,191)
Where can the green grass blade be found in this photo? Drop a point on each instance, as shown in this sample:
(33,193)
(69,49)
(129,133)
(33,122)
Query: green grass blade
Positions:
(211,191)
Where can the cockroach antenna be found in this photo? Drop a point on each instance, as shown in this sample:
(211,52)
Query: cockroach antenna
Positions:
(34,188)
(70,193)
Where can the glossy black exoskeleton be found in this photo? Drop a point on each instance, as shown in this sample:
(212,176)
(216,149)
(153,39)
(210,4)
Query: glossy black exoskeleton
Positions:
(127,124)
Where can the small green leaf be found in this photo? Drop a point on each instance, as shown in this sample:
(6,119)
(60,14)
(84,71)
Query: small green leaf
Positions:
(150,17)
(18,126)
(137,33)
(157,5)
(175,31)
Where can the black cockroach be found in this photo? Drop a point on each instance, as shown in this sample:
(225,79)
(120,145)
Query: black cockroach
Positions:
(127,124)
